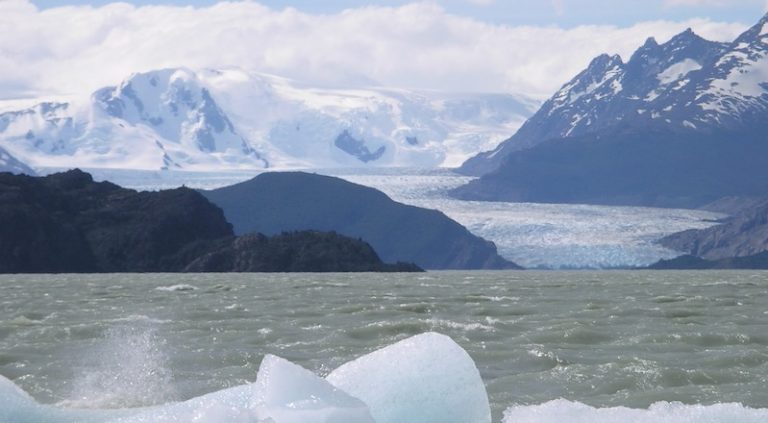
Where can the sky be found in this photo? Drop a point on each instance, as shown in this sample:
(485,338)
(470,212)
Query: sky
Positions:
(524,47)
(566,13)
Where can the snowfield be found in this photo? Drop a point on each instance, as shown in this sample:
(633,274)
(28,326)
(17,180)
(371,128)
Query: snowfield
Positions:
(233,119)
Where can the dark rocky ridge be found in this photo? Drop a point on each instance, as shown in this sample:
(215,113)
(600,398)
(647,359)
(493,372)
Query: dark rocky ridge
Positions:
(273,203)
(689,262)
(630,166)
(67,223)
(745,234)
(306,251)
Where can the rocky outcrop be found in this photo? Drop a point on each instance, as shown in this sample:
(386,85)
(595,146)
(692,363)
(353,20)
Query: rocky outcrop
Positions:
(688,262)
(273,203)
(307,251)
(745,234)
(67,223)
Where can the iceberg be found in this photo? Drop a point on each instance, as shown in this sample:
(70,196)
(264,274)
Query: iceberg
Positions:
(288,393)
(427,378)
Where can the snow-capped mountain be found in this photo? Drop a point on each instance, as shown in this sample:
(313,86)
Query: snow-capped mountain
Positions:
(680,124)
(687,84)
(235,119)
(159,120)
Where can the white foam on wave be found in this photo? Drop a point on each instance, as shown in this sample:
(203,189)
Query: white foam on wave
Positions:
(563,411)
(129,368)
(182,287)
(467,327)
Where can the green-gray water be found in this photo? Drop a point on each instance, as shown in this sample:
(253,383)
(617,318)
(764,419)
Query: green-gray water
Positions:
(600,338)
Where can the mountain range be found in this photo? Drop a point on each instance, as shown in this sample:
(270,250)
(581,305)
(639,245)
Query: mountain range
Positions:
(210,120)
(679,124)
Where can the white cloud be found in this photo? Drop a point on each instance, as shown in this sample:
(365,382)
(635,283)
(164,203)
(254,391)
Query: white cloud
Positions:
(79,49)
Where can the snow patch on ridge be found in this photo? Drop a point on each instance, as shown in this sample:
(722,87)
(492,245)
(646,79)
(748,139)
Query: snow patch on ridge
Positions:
(678,71)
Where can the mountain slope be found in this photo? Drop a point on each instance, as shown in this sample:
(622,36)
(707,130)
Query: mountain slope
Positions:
(9,163)
(275,202)
(745,234)
(158,120)
(680,124)
(210,120)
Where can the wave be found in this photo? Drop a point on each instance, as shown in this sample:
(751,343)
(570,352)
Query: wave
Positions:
(182,287)
(564,411)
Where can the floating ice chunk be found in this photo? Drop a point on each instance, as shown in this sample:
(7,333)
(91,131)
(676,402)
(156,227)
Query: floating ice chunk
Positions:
(17,406)
(424,379)
(283,393)
(662,412)
(288,393)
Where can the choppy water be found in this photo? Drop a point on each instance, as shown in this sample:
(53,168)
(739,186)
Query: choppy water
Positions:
(599,338)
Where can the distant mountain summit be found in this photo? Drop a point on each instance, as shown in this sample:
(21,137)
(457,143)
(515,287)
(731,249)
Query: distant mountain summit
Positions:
(610,92)
(212,120)
(158,120)
(175,105)
(687,103)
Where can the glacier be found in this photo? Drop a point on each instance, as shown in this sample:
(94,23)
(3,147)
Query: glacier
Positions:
(542,236)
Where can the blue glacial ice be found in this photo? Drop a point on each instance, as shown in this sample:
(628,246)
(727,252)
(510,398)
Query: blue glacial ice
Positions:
(392,379)
(426,378)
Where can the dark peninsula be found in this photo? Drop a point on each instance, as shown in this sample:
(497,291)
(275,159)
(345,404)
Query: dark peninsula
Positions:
(67,223)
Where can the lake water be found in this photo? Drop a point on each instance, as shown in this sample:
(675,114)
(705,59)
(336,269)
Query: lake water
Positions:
(597,339)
